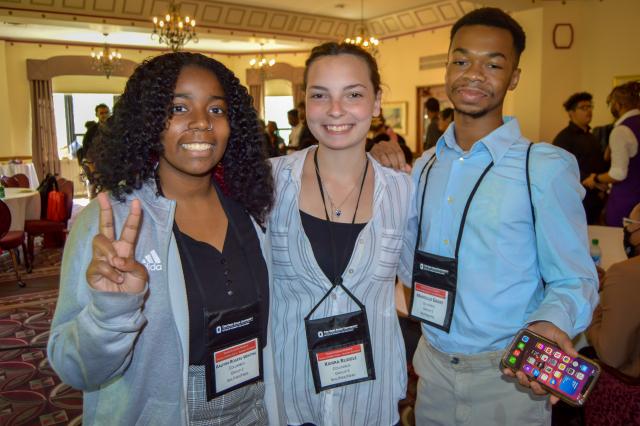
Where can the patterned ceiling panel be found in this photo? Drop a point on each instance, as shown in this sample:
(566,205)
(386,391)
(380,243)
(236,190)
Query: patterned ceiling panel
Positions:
(241,18)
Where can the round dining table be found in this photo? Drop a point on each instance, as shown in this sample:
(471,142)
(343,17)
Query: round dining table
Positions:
(24,204)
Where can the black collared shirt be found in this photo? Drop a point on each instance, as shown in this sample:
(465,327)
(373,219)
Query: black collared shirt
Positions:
(584,146)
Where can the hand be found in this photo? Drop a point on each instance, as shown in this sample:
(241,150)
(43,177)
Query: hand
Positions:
(113,267)
(590,182)
(389,154)
(553,333)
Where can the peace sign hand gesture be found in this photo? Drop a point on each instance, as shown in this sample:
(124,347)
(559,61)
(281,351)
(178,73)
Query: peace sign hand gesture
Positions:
(113,267)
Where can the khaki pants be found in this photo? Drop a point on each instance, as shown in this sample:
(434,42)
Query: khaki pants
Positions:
(471,390)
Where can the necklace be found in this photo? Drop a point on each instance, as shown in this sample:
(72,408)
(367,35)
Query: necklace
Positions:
(337,209)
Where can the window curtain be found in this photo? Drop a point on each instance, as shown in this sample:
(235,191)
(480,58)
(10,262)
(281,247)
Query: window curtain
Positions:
(298,94)
(44,147)
(256,92)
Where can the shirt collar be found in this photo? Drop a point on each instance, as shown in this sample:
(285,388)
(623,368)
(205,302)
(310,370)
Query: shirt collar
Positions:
(626,115)
(497,142)
(577,128)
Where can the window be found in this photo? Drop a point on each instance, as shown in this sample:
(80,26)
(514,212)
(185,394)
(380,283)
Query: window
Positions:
(72,111)
(276,108)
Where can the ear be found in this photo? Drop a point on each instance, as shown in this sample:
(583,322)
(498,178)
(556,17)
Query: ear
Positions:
(377,104)
(515,78)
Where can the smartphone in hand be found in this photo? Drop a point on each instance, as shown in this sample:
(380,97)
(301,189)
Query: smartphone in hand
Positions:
(571,379)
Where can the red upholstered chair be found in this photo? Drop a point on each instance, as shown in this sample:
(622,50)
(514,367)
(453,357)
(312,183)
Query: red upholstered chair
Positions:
(9,182)
(43,226)
(11,240)
(22,179)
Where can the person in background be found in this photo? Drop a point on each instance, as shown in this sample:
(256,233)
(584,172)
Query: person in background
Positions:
(336,234)
(276,143)
(102,114)
(433,133)
(578,140)
(624,174)
(445,118)
(522,261)
(156,268)
(613,334)
(296,127)
(381,132)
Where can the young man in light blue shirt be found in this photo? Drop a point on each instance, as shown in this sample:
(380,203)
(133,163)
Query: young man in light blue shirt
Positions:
(505,271)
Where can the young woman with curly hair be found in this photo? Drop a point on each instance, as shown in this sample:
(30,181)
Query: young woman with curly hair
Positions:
(163,307)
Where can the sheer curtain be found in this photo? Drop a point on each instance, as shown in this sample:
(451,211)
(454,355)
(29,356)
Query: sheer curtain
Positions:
(44,147)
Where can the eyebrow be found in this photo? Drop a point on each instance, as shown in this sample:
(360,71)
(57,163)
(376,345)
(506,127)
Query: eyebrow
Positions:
(188,96)
(349,87)
(491,55)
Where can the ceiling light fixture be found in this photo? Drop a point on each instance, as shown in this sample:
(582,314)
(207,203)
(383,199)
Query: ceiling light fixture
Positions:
(174,30)
(260,61)
(106,60)
(367,42)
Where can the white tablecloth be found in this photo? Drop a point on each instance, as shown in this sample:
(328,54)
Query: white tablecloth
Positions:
(610,242)
(25,168)
(24,204)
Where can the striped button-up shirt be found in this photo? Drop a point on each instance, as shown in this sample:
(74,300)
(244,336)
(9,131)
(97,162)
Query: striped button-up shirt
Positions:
(298,284)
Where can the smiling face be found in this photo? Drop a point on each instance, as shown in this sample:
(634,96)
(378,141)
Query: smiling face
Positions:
(340,100)
(482,67)
(196,135)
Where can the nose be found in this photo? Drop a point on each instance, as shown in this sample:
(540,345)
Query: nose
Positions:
(335,108)
(475,71)
(200,120)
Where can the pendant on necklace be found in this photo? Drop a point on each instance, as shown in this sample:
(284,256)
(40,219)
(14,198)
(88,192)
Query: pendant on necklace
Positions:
(338,212)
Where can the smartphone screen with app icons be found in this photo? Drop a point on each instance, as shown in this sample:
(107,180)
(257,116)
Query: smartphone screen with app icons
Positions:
(571,379)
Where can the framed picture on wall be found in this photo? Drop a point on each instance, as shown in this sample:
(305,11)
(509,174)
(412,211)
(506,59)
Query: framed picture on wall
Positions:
(395,115)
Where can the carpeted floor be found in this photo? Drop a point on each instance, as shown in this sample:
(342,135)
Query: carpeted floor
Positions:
(30,392)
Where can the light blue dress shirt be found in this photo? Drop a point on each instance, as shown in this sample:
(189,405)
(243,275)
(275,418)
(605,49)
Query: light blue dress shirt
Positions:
(502,260)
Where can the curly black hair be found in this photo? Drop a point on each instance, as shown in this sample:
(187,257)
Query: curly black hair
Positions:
(573,101)
(129,146)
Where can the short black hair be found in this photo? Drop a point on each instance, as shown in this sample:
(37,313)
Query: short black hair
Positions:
(101,106)
(447,113)
(573,101)
(493,17)
(432,104)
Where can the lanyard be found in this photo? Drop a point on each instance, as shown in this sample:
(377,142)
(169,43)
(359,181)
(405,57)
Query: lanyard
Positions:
(430,164)
(337,280)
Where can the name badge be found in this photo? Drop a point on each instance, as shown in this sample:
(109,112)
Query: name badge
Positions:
(433,290)
(339,350)
(235,353)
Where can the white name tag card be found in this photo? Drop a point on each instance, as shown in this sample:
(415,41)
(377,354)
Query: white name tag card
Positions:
(342,365)
(236,364)
(430,303)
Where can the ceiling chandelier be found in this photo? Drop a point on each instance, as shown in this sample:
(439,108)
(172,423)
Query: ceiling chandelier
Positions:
(367,42)
(107,60)
(260,61)
(174,30)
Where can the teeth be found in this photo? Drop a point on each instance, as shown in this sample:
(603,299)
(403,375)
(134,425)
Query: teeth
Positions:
(339,128)
(197,146)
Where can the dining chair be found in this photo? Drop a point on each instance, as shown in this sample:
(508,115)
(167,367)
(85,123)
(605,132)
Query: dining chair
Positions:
(22,179)
(12,240)
(9,182)
(46,227)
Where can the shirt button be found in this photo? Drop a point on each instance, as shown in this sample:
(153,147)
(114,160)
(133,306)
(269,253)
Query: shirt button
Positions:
(230,292)
(351,271)
(446,242)
(449,199)
(223,260)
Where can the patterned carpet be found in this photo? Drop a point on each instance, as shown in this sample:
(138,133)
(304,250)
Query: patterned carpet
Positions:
(46,264)
(30,392)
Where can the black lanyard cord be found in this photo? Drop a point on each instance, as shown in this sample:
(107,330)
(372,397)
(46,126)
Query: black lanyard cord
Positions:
(430,164)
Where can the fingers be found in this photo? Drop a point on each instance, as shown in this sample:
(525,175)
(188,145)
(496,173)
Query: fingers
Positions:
(129,232)
(389,154)
(566,344)
(133,267)
(100,270)
(105,226)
